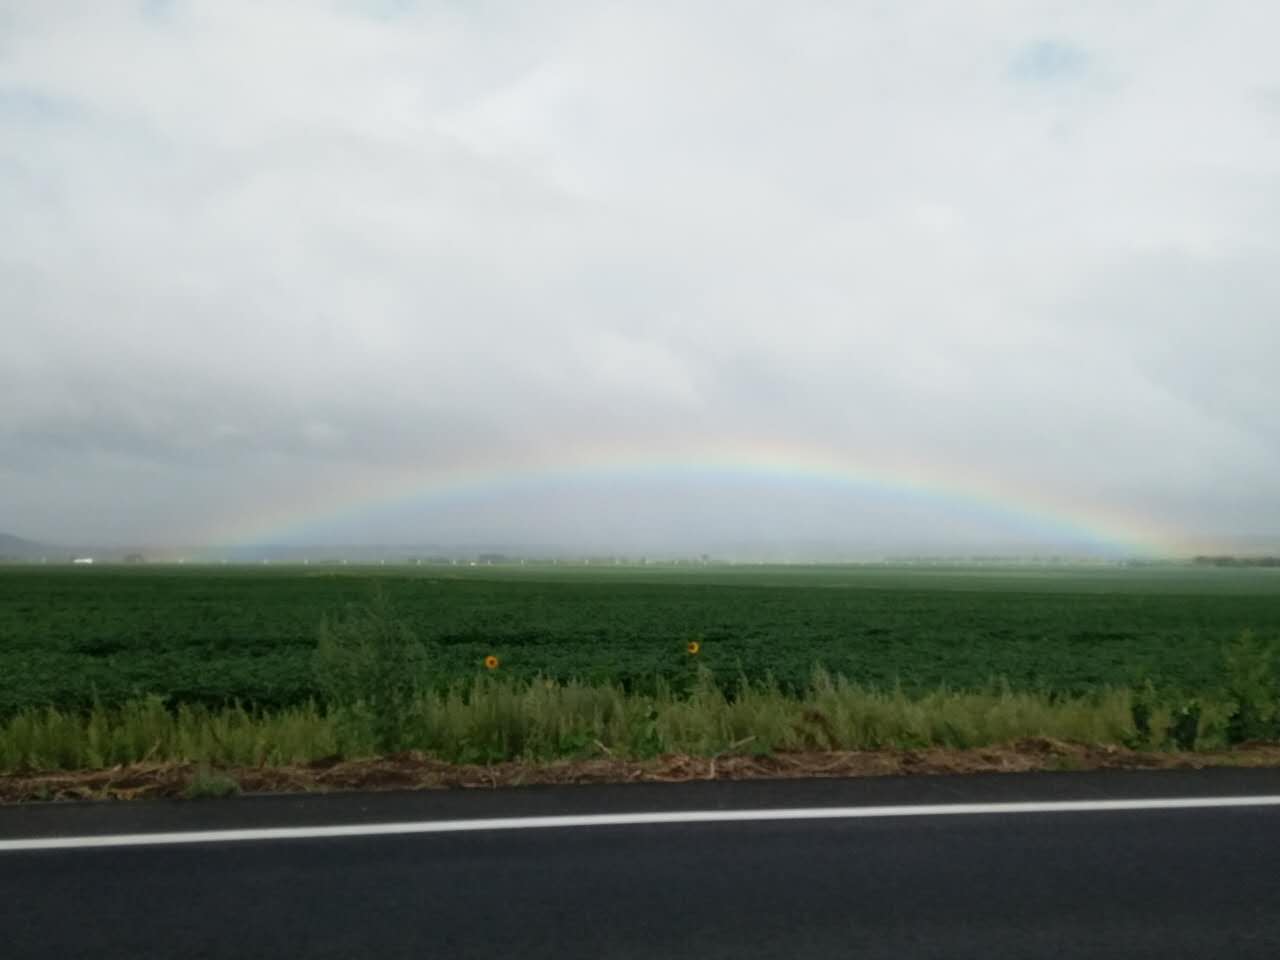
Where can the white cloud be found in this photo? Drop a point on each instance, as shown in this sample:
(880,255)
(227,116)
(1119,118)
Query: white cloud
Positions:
(1028,240)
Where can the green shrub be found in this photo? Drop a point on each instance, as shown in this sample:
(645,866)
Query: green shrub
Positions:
(1251,685)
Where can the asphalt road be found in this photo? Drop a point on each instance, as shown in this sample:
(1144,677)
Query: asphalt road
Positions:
(1133,883)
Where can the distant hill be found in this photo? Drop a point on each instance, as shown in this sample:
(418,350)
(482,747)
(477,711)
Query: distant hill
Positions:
(16,548)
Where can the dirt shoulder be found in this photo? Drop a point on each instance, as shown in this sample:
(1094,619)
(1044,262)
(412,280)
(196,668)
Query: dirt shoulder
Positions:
(412,771)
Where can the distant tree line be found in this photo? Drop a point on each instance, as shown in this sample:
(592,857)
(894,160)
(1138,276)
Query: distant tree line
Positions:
(1228,561)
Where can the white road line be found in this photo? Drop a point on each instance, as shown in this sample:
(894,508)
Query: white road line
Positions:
(627,820)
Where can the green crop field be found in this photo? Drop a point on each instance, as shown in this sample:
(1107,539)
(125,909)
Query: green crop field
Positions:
(212,635)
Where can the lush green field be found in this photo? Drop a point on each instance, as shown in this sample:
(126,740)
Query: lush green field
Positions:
(213,634)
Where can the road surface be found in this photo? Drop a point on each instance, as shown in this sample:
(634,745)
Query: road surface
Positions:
(979,868)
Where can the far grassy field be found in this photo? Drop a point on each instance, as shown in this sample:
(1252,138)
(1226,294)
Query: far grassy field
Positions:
(212,635)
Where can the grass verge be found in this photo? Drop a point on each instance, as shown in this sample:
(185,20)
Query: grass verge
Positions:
(491,721)
(536,725)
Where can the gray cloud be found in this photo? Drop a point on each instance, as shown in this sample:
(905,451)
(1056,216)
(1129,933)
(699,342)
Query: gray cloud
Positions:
(259,252)
(1048,61)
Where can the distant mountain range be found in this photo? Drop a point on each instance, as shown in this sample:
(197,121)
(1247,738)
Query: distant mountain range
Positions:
(17,548)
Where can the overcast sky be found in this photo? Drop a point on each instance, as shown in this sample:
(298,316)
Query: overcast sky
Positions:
(256,255)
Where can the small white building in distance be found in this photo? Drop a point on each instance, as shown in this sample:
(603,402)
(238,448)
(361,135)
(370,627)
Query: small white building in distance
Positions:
(82,560)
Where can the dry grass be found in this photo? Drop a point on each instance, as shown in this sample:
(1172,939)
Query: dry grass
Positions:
(415,771)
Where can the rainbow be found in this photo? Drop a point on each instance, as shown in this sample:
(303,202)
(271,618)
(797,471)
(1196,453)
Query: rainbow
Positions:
(949,487)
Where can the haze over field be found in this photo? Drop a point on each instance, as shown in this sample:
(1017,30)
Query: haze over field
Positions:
(641,276)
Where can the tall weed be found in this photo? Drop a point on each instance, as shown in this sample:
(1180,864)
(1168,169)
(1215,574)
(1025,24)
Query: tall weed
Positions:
(370,667)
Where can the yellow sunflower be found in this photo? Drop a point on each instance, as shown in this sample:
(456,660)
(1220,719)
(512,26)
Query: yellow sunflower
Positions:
(693,648)
(491,662)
